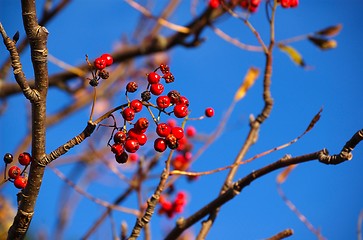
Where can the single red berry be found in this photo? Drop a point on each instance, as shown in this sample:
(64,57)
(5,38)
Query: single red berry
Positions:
(171,122)
(180,110)
(14,172)
(183,100)
(209,112)
(131,145)
(117,149)
(99,63)
(141,125)
(178,132)
(8,158)
(131,87)
(160,145)
(255,3)
(20,182)
(294,3)
(244,4)
(214,3)
(153,78)
(142,139)
(122,158)
(163,101)
(119,137)
(108,59)
(285,3)
(190,131)
(136,105)
(133,157)
(24,158)
(163,129)
(157,89)
(128,114)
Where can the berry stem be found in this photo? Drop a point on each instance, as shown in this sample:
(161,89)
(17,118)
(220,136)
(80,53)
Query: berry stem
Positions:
(93,103)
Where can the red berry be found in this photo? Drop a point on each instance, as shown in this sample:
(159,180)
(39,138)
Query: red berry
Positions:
(100,63)
(171,122)
(171,141)
(131,145)
(183,100)
(20,182)
(244,4)
(285,3)
(119,137)
(131,87)
(157,89)
(122,158)
(153,78)
(163,101)
(8,158)
(209,112)
(214,3)
(163,129)
(141,125)
(178,132)
(191,131)
(128,114)
(117,149)
(108,59)
(141,138)
(160,145)
(169,77)
(24,158)
(180,110)
(136,105)
(294,3)
(133,157)
(164,68)
(14,172)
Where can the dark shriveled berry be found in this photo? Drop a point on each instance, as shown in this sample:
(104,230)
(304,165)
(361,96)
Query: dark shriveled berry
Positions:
(8,158)
(146,96)
(122,158)
(174,96)
(104,74)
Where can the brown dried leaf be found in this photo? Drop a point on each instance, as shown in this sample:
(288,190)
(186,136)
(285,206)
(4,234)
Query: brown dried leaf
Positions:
(314,121)
(249,80)
(293,54)
(330,31)
(322,43)
(281,178)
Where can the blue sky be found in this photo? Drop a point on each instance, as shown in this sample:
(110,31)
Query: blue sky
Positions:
(331,197)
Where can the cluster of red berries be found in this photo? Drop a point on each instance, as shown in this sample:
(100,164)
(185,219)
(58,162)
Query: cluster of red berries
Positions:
(250,5)
(99,65)
(169,135)
(16,175)
(171,208)
(289,3)
(129,141)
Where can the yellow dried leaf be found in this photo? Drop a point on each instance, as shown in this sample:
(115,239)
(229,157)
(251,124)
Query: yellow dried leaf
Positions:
(330,31)
(293,54)
(248,81)
(284,174)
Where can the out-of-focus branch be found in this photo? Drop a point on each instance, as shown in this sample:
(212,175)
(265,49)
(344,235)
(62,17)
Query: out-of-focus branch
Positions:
(281,235)
(147,47)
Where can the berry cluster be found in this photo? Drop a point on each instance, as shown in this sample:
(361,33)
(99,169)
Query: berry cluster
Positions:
(250,5)
(98,68)
(171,208)
(289,3)
(16,175)
(128,140)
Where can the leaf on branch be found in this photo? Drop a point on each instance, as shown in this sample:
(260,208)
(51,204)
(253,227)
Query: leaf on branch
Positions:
(322,43)
(16,36)
(248,81)
(293,54)
(330,31)
(281,178)
(314,121)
